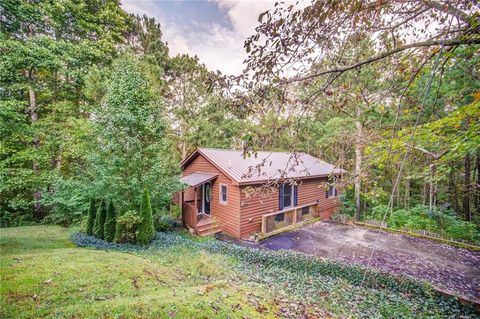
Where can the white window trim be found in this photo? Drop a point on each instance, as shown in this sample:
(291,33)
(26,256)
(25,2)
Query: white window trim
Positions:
(220,198)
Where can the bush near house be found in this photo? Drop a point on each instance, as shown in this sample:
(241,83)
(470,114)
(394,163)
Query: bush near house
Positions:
(100,220)
(129,227)
(110,222)
(146,230)
(126,229)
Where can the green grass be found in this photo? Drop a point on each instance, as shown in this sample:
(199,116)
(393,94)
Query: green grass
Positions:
(44,275)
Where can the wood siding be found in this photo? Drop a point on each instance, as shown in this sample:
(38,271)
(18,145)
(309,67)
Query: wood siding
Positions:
(253,207)
(227,215)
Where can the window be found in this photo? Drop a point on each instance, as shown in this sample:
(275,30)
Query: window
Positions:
(279,217)
(223,193)
(305,210)
(287,195)
(331,190)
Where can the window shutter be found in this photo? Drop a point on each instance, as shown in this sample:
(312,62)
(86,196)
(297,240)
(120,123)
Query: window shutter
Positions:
(280,198)
(295,195)
(327,188)
(336,193)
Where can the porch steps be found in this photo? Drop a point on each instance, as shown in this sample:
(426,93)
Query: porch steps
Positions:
(209,228)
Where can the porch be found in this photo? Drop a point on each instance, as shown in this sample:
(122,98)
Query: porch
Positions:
(196,203)
(279,221)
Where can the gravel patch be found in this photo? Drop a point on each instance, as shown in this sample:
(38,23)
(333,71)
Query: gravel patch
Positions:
(449,268)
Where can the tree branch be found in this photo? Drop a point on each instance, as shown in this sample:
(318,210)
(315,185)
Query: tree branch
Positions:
(449,9)
(429,43)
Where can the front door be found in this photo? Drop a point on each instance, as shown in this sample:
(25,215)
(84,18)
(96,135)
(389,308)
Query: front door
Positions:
(207,197)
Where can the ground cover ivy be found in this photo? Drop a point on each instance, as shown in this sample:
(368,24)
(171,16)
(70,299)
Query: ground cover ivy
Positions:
(312,280)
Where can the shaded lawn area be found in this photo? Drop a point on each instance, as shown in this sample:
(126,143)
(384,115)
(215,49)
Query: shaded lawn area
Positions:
(44,275)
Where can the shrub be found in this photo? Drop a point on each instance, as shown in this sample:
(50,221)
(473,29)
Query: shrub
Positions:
(91,218)
(100,221)
(120,230)
(399,218)
(420,222)
(463,230)
(348,207)
(110,223)
(146,230)
(377,212)
(164,222)
(176,211)
(68,203)
(126,230)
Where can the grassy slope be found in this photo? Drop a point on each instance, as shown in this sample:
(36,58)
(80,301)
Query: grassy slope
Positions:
(43,275)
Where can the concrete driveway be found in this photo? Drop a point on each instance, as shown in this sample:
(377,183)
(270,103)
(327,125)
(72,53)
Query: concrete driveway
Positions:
(450,268)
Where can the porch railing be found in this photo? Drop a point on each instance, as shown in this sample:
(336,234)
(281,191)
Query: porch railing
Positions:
(275,221)
(189,213)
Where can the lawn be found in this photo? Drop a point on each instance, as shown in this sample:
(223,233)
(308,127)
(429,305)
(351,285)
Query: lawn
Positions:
(44,275)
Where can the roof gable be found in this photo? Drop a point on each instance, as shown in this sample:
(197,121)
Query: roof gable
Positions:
(263,166)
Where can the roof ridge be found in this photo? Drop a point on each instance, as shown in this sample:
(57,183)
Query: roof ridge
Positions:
(268,164)
(230,149)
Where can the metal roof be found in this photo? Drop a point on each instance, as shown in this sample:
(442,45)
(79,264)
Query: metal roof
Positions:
(263,166)
(197,178)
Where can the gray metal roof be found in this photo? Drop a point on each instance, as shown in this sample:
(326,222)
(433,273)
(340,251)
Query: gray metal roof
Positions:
(263,166)
(197,178)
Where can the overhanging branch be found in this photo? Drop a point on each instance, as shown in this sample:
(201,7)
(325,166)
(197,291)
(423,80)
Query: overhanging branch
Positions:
(429,43)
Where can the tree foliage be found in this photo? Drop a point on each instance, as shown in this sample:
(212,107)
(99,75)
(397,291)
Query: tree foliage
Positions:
(99,225)
(93,105)
(92,210)
(132,149)
(146,230)
(110,222)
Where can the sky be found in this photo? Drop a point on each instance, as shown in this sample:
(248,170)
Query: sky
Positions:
(214,30)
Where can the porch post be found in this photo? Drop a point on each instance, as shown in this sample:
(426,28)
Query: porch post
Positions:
(182,206)
(194,217)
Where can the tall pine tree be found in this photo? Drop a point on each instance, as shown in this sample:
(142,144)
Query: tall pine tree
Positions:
(110,222)
(100,220)
(146,230)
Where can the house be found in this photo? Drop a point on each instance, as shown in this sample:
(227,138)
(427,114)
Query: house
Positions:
(246,195)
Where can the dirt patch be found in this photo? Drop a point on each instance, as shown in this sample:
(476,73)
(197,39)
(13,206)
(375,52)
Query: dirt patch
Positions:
(447,267)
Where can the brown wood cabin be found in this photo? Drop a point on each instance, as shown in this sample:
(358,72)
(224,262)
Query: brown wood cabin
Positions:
(244,196)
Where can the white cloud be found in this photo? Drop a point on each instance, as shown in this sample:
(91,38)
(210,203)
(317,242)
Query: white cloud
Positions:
(244,14)
(219,47)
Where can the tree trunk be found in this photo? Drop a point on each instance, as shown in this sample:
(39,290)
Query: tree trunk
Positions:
(452,189)
(397,191)
(424,193)
(406,196)
(358,162)
(432,191)
(33,111)
(477,187)
(467,186)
